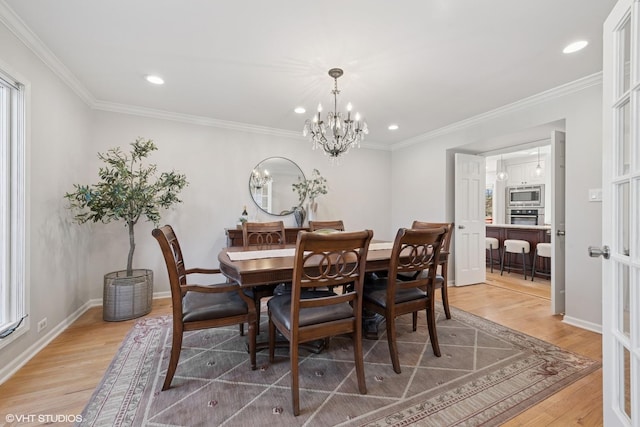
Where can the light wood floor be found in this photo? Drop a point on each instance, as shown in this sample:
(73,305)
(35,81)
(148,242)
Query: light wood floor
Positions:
(539,287)
(62,377)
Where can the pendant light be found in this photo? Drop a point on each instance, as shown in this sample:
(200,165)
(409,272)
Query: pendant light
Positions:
(502,175)
(538,168)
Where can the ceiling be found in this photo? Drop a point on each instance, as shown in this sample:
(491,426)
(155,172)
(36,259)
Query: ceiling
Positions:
(422,64)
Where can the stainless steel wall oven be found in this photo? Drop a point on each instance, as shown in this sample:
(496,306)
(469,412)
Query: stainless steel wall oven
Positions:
(525,216)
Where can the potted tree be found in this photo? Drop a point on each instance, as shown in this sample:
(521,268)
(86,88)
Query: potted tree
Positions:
(128,190)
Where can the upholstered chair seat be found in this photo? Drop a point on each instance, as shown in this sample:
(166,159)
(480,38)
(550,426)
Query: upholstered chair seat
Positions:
(376,292)
(280,309)
(199,306)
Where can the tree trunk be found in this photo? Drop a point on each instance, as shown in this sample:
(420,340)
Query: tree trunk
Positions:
(132,247)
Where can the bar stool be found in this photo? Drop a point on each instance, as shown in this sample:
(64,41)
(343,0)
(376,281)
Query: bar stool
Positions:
(513,246)
(492,244)
(542,250)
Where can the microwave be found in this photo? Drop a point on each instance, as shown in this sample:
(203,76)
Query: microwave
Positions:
(525,196)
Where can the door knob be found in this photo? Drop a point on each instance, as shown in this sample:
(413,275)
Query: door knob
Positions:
(560,233)
(461,227)
(595,252)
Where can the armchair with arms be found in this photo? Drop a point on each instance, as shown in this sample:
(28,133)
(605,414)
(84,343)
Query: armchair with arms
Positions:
(197,306)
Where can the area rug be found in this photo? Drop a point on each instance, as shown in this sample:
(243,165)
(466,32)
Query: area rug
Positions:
(487,374)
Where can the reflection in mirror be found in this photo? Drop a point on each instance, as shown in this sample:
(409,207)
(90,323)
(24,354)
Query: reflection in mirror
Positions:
(270,185)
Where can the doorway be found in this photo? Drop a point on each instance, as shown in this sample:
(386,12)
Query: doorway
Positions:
(521,156)
(518,192)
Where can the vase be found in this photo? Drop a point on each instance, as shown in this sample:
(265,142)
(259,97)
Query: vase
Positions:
(299,214)
(312,206)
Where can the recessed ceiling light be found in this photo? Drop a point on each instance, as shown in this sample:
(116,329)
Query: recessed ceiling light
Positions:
(393,127)
(300,110)
(575,46)
(156,80)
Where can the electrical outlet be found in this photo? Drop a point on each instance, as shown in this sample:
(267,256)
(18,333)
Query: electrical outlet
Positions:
(42,324)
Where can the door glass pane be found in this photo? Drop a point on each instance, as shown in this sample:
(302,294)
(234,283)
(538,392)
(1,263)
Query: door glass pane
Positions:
(623,140)
(625,374)
(623,220)
(624,324)
(625,40)
(488,203)
(635,142)
(635,235)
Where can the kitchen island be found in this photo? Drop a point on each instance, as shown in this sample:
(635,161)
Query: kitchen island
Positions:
(533,234)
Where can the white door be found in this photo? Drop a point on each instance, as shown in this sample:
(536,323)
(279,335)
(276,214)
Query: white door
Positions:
(621,221)
(557,221)
(469,234)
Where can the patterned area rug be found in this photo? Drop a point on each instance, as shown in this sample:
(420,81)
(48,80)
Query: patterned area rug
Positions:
(486,375)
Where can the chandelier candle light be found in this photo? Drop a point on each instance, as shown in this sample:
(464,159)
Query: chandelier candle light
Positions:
(259,180)
(338,134)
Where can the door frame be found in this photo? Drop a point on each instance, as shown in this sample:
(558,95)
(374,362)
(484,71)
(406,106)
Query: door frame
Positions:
(558,259)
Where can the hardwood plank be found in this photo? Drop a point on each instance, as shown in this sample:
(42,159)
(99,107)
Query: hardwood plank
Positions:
(62,377)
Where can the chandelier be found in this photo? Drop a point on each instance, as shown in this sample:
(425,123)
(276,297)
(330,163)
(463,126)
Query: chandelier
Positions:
(338,134)
(258,179)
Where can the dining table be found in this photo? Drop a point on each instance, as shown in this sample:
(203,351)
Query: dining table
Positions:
(250,267)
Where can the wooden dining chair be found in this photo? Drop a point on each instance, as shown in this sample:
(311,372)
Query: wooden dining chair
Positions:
(201,306)
(326,225)
(442,276)
(414,251)
(261,236)
(322,260)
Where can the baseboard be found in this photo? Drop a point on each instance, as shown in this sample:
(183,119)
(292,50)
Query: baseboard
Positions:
(11,368)
(589,326)
(453,283)
(160,295)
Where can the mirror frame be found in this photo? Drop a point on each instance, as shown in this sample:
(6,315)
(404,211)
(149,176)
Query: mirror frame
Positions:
(297,175)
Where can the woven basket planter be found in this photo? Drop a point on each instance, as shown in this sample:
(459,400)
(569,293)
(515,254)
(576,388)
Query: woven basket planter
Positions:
(127,297)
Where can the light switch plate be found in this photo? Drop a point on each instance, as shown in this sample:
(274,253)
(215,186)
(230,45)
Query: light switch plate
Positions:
(595,194)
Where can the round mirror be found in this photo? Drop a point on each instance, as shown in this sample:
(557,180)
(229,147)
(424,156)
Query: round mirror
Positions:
(270,185)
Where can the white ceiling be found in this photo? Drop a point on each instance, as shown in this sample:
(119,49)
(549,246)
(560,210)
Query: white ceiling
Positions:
(423,64)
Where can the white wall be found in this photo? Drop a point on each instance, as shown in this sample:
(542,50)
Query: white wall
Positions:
(58,146)
(422,193)
(217,164)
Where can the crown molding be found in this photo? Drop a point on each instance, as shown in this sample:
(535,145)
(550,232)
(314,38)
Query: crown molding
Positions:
(191,119)
(547,95)
(206,121)
(17,26)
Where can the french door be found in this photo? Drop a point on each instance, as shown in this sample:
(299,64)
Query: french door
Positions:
(621,216)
